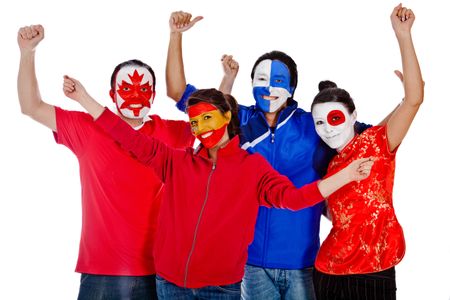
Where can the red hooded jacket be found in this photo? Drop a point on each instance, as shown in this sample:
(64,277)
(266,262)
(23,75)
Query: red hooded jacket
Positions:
(208,211)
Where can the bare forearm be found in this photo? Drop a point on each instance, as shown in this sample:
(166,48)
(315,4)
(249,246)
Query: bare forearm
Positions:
(412,76)
(331,184)
(91,106)
(175,77)
(27,85)
(226,86)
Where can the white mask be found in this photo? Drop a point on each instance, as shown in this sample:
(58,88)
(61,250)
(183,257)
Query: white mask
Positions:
(334,124)
(271,85)
(134,91)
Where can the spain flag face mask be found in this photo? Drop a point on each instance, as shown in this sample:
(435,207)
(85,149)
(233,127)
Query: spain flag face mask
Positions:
(208,123)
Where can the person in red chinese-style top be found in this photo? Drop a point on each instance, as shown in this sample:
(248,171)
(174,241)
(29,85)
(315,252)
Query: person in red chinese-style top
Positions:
(357,259)
(212,195)
(120,197)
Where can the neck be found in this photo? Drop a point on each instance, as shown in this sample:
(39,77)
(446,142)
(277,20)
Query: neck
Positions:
(212,152)
(272,117)
(339,149)
(132,122)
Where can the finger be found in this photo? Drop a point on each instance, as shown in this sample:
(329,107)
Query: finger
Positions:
(403,14)
(28,33)
(36,29)
(186,17)
(366,164)
(223,57)
(22,33)
(68,87)
(69,83)
(227,59)
(173,18)
(365,169)
(34,32)
(399,75)
(396,10)
(176,19)
(410,14)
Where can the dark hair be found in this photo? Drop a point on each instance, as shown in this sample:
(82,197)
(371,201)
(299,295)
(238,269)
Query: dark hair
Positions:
(132,62)
(329,92)
(285,59)
(223,102)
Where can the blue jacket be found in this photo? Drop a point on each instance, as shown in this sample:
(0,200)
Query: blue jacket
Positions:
(284,239)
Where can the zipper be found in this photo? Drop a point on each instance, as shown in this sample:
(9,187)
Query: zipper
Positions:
(266,225)
(196,226)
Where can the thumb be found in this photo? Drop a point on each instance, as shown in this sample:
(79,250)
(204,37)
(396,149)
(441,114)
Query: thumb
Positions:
(399,75)
(196,19)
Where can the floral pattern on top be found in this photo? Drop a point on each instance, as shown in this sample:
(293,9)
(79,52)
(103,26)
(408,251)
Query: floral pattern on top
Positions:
(366,236)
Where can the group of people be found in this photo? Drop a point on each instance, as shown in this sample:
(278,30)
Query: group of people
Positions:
(239,216)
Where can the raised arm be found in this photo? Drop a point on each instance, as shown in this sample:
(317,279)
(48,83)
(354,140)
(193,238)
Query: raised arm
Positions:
(230,70)
(175,77)
(31,103)
(399,122)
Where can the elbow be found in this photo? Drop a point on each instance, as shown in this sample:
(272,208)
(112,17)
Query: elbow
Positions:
(419,98)
(26,111)
(174,94)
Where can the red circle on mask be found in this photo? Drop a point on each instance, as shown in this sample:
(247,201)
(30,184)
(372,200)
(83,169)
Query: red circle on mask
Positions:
(335,117)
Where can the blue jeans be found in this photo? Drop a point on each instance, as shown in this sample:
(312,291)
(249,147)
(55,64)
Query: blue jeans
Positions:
(262,283)
(101,287)
(170,291)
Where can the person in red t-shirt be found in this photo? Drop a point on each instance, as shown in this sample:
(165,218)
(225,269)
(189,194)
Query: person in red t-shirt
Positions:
(120,196)
(357,259)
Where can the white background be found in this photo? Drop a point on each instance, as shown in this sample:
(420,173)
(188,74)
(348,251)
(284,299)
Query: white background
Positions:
(349,42)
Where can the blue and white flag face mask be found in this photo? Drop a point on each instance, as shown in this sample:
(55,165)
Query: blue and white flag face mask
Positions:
(271,82)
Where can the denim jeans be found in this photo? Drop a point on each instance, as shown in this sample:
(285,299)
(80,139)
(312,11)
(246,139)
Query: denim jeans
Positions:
(101,287)
(170,291)
(262,283)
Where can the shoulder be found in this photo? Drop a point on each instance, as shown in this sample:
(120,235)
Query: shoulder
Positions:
(373,131)
(158,121)
(72,115)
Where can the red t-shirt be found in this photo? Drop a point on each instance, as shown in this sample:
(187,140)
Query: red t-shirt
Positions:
(120,196)
(366,236)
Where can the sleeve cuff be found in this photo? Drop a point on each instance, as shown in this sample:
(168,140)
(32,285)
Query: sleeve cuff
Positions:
(181,104)
(312,192)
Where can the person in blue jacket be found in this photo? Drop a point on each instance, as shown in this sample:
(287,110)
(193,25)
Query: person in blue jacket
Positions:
(286,243)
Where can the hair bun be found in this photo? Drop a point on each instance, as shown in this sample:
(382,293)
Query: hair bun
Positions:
(326,84)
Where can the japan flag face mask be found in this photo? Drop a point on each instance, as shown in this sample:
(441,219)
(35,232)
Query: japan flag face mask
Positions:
(334,124)
(271,85)
(133,91)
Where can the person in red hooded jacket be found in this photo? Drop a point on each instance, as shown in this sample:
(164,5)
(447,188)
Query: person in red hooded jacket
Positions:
(212,194)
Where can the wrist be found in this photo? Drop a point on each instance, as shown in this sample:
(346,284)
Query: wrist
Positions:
(401,35)
(175,34)
(27,53)
(84,99)
(345,176)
